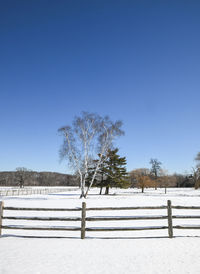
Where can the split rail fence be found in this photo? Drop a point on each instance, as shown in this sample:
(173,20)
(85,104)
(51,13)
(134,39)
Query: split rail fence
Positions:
(30,191)
(83,219)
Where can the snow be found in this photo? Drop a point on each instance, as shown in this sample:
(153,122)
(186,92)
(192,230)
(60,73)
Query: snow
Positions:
(26,251)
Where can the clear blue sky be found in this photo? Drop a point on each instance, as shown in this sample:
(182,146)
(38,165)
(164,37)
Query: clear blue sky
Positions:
(138,61)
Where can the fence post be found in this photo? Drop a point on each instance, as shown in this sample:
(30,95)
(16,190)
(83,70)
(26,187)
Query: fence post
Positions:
(83,220)
(169,214)
(1,215)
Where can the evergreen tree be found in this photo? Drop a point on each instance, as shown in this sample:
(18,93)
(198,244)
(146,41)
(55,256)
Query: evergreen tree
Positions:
(100,177)
(112,172)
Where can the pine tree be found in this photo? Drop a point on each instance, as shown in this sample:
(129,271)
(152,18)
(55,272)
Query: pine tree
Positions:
(100,177)
(113,171)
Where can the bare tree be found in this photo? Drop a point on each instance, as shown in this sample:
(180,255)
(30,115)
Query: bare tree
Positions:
(155,168)
(196,177)
(164,179)
(89,135)
(22,174)
(144,181)
(178,179)
(197,159)
(196,172)
(141,178)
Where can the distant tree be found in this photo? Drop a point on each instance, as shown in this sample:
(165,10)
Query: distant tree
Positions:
(144,181)
(138,172)
(3,181)
(33,178)
(141,178)
(197,159)
(89,135)
(164,179)
(196,172)
(196,177)
(179,179)
(22,174)
(155,168)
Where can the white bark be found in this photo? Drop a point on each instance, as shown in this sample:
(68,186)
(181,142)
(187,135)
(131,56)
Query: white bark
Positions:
(105,147)
(82,140)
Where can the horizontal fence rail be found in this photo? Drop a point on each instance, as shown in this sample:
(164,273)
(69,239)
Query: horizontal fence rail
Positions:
(186,207)
(64,228)
(124,228)
(42,209)
(72,219)
(126,208)
(124,218)
(83,219)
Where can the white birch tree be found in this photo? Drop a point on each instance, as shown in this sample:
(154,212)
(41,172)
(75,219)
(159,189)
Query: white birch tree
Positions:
(89,135)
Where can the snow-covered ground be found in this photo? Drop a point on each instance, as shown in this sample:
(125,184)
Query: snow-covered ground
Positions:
(23,251)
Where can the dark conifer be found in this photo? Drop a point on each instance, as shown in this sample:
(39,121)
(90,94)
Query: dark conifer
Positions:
(112,172)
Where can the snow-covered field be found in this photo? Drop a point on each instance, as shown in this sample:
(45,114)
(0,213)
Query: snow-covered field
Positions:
(23,251)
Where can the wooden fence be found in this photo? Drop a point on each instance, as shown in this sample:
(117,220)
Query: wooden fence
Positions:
(83,218)
(30,191)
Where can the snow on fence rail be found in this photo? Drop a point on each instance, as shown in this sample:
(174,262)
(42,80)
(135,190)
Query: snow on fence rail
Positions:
(30,191)
(83,219)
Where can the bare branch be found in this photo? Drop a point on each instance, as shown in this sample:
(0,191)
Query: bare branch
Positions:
(89,135)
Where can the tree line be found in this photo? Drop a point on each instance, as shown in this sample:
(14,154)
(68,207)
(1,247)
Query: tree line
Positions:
(23,177)
(156,177)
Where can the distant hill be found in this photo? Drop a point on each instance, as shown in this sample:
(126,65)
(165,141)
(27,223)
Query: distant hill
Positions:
(33,178)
